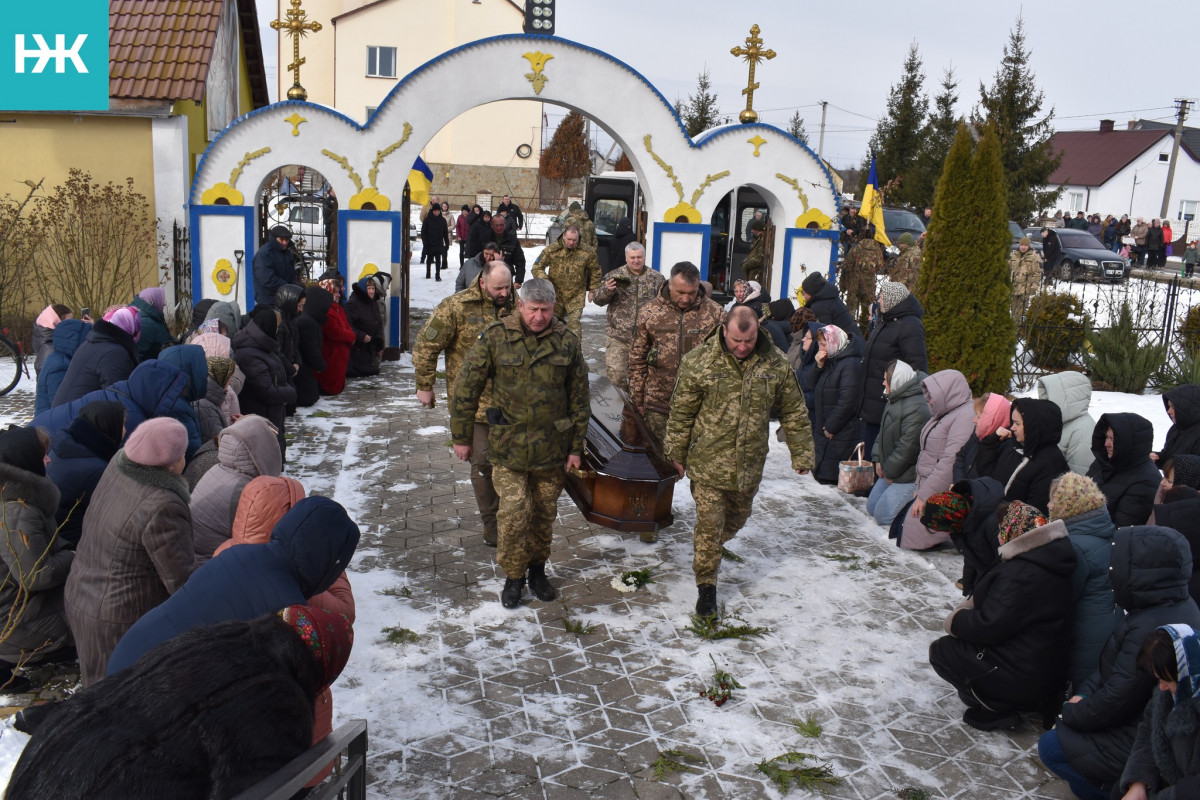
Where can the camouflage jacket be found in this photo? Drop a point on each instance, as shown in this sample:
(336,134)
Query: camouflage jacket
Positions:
(664,335)
(907,267)
(1025,272)
(587,229)
(632,294)
(453,328)
(573,273)
(721,414)
(540,398)
(756,258)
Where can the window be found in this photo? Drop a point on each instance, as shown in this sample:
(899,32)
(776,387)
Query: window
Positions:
(1163,158)
(371,110)
(607,214)
(1075,201)
(1187,209)
(748,215)
(381,62)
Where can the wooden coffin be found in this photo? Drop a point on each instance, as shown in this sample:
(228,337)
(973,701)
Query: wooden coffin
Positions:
(625,483)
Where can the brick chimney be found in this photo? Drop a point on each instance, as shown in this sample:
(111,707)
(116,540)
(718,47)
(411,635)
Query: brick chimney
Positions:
(1106,126)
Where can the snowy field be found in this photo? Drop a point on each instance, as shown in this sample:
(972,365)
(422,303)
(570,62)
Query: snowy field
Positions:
(837,633)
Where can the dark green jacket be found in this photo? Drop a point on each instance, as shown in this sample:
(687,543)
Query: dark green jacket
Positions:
(899,441)
(539,390)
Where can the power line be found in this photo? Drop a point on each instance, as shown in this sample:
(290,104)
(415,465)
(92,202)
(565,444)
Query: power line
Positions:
(1105,114)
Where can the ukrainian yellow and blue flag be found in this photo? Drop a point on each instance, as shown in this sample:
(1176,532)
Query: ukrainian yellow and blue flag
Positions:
(872,206)
(420,181)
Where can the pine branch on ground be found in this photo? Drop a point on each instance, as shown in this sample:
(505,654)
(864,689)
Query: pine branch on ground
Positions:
(717,626)
(913,793)
(668,763)
(400,635)
(809,727)
(816,778)
(729,555)
(578,627)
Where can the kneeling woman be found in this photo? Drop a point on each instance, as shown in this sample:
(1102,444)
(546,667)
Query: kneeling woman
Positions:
(1009,642)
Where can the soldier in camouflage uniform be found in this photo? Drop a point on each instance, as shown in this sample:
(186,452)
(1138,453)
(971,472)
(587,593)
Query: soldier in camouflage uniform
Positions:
(1025,268)
(574,271)
(587,229)
(671,325)
(538,415)
(908,263)
(728,389)
(626,291)
(859,269)
(755,262)
(453,328)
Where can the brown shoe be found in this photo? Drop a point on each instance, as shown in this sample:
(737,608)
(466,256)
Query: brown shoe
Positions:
(490,535)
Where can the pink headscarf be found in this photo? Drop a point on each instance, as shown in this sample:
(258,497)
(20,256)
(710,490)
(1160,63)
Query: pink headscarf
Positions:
(154,295)
(835,340)
(995,415)
(127,319)
(49,318)
(215,345)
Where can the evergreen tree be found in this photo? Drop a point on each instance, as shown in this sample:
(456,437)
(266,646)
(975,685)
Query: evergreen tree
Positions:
(795,127)
(964,273)
(623,163)
(938,135)
(898,136)
(568,156)
(1012,105)
(700,112)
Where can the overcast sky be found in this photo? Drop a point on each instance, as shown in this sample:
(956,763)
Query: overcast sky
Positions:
(1099,60)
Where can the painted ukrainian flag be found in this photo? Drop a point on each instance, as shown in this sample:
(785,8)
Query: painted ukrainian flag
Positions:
(420,181)
(872,206)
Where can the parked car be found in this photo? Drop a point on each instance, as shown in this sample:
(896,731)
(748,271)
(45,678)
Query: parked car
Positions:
(1035,238)
(1083,256)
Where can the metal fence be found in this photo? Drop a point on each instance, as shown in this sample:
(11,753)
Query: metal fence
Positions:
(346,747)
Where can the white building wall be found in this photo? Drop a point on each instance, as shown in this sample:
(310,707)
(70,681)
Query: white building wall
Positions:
(1137,190)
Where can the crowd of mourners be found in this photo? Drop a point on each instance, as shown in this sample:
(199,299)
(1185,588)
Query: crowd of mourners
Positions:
(152,536)
(1145,243)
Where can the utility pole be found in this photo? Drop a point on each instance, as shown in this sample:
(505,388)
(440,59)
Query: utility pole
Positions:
(1181,105)
(821,141)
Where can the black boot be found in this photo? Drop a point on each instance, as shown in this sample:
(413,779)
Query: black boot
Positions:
(706,604)
(538,584)
(510,595)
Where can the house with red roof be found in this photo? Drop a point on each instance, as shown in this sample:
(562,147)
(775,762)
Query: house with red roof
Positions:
(1111,171)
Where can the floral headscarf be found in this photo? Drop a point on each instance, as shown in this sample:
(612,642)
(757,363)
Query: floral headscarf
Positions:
(1021,518)
(835,340)
(327,636)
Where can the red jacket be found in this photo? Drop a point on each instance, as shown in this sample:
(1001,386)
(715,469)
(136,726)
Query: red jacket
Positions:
(338,337)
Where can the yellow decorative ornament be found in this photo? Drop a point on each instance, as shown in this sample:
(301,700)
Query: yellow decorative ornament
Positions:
(537,61)
(685,210)
(814,215)
(224,276)
(368,269)
(295,120)
(221,194)
(372,198)
(757,141)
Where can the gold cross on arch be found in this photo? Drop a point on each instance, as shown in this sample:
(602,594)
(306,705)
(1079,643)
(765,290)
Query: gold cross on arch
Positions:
(753,53)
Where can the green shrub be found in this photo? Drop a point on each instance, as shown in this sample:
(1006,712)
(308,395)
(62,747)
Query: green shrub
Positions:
(1189,330)
(1054,330)
(1118,361)
(1181,368)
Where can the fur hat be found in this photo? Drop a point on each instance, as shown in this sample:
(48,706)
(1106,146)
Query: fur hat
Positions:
(814,283)
(1073,494)
(945,512)
(157,442)
(1021,518)
(890,294)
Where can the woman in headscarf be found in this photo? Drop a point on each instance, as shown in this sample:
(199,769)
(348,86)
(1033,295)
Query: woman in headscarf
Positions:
(1007,644)
(1030,459)
(43,331)
(207,714)
(835,395)
(336,339)
(898,444)
(149,304)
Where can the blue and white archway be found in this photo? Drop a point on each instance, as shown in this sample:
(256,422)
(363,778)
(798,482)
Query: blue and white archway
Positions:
(367,165)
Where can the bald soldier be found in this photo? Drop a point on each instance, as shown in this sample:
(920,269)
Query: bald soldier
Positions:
(727,391)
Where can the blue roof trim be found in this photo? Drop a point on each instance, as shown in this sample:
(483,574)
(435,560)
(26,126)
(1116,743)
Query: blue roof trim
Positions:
(312,107)
(728,130)
(537,38)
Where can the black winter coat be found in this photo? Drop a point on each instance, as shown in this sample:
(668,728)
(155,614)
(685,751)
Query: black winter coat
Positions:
(309,342)
(266,391)
(1129,479)
(900,334)
(435,235)
(272,268)
(830,310)
(108,355)
(977,458)
(1150,567)
(363,315)
(1184,435)
(79,454)
(1022,615)
(978,541)
(805,366)
(1184,517)
(836,398)
(1026,470)
(287,301)
(509,244)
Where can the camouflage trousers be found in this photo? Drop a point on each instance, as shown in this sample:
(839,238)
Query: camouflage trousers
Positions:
(616,362)
(481,477)
(528,507)
(720,514)
(573,318)
(656,421)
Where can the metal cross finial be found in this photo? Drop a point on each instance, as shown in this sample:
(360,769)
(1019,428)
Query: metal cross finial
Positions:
(753,53)
(294,25)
